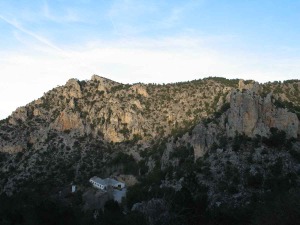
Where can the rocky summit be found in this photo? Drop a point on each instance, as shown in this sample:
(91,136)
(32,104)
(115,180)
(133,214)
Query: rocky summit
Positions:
(208,151)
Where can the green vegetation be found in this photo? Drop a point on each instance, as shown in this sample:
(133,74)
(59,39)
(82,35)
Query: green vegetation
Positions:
(238,141)
(127,162)
(222,110)
(291,81)
(254,180)
(227,82)
(277,139)
(32,208)
(216,115)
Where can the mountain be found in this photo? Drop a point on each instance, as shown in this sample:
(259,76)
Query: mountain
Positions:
(203,152)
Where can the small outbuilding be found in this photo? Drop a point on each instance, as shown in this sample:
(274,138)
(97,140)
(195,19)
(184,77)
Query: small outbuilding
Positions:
(73,188)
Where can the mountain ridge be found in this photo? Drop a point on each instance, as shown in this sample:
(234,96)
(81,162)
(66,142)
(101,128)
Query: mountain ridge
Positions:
(228,136)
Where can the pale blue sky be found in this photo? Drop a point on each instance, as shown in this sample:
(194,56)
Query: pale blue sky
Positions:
(44,43)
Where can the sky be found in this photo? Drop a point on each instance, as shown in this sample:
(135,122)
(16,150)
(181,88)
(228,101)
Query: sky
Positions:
(43,43)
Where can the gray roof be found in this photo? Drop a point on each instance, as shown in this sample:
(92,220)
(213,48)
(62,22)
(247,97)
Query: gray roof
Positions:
(111,181)
(106,181)
(99,180)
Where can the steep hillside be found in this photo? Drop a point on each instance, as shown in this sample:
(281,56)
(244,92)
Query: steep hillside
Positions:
(71,123)
(222,144)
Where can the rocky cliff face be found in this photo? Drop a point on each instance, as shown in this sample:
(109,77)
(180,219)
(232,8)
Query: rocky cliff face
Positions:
(253,115)
(249,114)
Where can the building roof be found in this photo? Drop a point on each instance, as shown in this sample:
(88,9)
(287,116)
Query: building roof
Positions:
(99,180)
(111,181)
(106,181)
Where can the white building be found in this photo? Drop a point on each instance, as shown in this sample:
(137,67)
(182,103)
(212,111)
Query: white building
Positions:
(116,188)
(98,183)
(106,183)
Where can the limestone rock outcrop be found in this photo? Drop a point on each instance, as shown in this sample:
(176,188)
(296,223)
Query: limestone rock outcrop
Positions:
(72,89)
(252,115)
(203,138)
(252,86)
(19,115)
(140,89)
(249,114)
(67,121)
(104,84)
(12,149)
